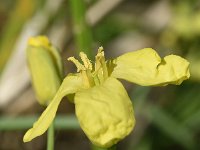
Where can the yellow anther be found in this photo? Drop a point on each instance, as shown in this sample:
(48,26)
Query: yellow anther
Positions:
(87,63)
(77,63)
(100,49)
(100,53)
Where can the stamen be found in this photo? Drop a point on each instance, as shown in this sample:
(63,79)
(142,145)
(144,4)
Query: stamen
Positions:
(87,63)
(100,62)
(100,49)
(77,63)
(98,58)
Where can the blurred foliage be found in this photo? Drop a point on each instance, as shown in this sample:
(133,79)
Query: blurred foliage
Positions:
(21,12)
(170,116)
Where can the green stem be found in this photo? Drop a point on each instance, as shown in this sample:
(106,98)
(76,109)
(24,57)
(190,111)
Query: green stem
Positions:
(50,137)
(98,148)
(82,32)
(61,122)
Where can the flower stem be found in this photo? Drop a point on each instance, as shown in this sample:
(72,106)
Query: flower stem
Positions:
(82,32)
(50,137)
(98,148)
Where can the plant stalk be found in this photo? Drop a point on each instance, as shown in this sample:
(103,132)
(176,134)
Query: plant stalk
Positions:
(82,32)
(99,148)
(50,137)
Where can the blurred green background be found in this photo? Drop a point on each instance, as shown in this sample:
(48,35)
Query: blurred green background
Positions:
(168,118)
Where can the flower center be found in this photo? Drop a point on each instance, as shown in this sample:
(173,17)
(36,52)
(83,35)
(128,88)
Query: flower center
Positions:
(92,76)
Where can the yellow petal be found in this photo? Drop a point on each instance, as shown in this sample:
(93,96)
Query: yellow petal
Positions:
(145,67)
(70,85)
(105,112)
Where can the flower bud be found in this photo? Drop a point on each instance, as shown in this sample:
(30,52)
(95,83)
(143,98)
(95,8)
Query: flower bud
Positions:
(46,68)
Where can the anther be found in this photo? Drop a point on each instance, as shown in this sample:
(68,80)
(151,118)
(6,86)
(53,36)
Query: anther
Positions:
(87,63)
(77,63)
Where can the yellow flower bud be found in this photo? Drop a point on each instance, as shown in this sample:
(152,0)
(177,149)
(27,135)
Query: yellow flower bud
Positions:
(45,67)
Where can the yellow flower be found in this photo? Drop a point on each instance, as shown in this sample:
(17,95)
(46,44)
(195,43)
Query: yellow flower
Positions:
(103,108)
(46,68)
